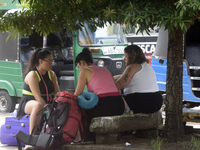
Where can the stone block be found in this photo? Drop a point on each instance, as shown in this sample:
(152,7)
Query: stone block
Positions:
(116,124)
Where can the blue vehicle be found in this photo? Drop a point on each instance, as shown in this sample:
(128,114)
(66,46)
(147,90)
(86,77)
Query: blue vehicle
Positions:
(191,64)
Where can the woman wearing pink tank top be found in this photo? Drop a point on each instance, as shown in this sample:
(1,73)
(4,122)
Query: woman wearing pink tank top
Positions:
(99,81)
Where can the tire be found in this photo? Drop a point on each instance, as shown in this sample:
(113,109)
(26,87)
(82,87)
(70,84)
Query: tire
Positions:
(7,103)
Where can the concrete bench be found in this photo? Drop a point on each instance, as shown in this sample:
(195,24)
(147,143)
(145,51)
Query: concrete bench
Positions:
(107,128)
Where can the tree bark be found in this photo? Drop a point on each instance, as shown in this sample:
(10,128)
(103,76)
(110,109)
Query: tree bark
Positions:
(174,89)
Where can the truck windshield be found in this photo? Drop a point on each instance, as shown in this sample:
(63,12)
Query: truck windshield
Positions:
(108,35)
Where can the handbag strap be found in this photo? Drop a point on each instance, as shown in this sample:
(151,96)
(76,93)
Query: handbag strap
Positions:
(19,144)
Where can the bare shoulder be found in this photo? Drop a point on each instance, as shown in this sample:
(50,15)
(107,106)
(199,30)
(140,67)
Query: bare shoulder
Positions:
(52,73)
(86,73)
(87,70)
(132,66)
(31,76)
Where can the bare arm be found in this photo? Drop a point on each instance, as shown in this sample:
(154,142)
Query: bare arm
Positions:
(33,82)
(127,75)
(82,80)
(55,83)
(116,82)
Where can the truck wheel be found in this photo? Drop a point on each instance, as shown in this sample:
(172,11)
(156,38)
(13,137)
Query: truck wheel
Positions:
(7,104)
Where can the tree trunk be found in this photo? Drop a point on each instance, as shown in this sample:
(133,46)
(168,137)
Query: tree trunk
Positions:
(174,89)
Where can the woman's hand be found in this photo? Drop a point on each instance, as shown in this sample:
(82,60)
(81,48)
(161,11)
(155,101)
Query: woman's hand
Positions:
(56,94)
(116,77)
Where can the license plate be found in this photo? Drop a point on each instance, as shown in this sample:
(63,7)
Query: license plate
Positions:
(112,50)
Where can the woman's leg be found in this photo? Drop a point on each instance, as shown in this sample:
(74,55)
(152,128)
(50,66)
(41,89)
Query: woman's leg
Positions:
(78,135)
(107,106)
(33,107)
(125,104)
(144,102)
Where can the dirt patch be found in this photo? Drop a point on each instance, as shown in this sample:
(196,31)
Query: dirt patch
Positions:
(137,143)
(153,143)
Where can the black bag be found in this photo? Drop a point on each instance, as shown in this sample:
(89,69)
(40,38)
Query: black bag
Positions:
(50,135)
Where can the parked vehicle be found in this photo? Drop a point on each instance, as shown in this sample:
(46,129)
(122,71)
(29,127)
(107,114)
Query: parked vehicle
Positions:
(106,44)
(191,64)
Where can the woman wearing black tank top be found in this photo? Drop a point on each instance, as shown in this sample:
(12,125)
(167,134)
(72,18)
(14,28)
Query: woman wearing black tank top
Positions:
(39,83)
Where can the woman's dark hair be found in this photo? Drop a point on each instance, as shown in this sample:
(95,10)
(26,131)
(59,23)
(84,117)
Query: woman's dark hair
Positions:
(39,53)
(135,55)
(85,55)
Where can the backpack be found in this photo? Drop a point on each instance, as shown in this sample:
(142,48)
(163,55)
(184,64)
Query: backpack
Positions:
(59,127)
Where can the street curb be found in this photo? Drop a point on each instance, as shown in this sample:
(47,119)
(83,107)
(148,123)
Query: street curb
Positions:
(96,147)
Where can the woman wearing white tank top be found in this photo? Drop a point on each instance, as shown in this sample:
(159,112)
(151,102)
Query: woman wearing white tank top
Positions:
(138,82)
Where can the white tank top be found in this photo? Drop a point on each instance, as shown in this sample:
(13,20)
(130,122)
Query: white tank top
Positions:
(143,81)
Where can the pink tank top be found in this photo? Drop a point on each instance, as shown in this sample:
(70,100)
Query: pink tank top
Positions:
(102,83)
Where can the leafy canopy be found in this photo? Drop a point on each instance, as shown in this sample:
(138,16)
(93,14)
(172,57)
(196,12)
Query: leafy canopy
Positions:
(148,13)
(50,16)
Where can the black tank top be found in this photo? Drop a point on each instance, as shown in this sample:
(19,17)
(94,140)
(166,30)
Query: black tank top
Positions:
(47,80)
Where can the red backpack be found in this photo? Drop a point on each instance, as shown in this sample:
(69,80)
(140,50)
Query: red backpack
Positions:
(74,116)
(59,126)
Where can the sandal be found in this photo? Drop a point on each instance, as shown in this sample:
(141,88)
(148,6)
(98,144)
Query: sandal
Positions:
(77,142)
(29,147)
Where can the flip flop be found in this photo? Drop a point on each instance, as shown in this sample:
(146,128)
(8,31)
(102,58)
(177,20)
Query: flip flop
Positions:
(77,142)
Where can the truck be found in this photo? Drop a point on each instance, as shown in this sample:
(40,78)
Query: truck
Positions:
(191,64)
(106,44)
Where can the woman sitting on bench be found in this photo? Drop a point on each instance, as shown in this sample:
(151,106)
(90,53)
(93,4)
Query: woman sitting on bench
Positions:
(139,83)
(39,84)
(99,81)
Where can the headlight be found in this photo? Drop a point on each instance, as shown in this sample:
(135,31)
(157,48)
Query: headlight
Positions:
(118,64)
(100,63)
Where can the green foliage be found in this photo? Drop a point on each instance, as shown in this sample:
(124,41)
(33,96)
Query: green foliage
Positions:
(194,144)
(23,4)
(49,16)
(148,13)
(156,144)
